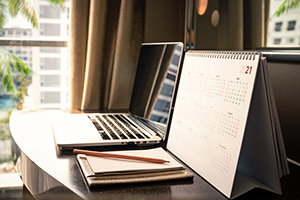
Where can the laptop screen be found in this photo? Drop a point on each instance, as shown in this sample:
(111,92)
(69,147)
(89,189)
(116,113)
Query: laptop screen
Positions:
(155,79)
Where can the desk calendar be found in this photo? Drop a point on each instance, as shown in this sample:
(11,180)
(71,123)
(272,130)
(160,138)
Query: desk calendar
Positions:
(225,124)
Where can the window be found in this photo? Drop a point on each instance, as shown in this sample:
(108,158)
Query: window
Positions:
(41,11)
(48,88)
(50,29)
(50,63)
(42,82)
(278,26)
(277,41)
(49,12)
(42,63)
(283,29)
(49,50)
(50,80)
(50,97)
(290,40)
(291,25)
(42,96)
(41,29)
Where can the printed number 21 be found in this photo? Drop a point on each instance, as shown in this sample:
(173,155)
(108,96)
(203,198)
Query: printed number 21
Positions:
(246,69)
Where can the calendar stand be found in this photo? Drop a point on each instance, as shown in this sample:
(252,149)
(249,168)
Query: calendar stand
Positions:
(226,124)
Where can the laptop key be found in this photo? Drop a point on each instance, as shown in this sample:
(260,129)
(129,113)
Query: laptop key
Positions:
(104,135)
(116,128)
(98,127)
(130,135)
(110,131)
(135,130)
(117,121)
(100,130)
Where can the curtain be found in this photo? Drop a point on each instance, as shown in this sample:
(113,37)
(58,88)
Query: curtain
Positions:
(105,38)
(243,24)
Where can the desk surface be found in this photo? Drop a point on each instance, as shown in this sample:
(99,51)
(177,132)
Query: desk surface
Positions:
(47,172)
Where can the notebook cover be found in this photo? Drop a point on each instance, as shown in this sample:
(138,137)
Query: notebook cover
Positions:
(94,180)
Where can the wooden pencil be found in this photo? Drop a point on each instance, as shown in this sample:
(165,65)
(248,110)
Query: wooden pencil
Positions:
(112,155)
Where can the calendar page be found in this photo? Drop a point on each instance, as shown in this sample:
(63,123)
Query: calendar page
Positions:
(210,113)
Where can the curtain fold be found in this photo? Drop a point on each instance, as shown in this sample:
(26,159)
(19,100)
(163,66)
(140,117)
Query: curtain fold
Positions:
(105,37)
(79,17)
(243,24)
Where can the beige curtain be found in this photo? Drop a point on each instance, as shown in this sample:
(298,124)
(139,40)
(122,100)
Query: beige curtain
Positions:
(243,24)
(105,37)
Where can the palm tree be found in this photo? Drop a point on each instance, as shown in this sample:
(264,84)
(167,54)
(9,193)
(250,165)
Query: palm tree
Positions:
(286,6)
(8,62)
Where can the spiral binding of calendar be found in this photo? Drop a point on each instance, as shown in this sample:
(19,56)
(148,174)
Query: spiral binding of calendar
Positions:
(239,55)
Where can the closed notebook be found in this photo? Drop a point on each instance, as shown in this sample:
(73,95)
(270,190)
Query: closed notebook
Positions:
(107,171)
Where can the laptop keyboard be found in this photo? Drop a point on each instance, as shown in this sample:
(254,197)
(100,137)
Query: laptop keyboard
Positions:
(161,129)
(116,127)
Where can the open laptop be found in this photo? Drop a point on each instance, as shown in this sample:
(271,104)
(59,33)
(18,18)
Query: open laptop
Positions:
(149,111)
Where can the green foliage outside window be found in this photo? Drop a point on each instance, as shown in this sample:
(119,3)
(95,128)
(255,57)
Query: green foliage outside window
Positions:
(286,6)
(9,63)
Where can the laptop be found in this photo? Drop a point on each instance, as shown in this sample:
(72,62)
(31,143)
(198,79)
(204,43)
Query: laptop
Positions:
(149,111)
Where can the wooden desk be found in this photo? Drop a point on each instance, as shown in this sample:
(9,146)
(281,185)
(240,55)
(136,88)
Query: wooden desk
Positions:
(49,173)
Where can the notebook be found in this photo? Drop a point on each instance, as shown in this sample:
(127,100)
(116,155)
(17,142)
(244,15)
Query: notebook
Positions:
(107,171)
(149,110)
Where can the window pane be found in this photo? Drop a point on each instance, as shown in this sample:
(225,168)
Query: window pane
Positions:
(50,63)
(50,97)
(278,26)
(291,25)
(284,30)
(49,12)
(47,86)
(50,80)
(48,29)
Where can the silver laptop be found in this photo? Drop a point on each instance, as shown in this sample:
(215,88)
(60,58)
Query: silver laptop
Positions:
(150,106)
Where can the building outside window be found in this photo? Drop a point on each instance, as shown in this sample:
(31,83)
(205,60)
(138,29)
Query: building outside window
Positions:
(278,26)
(48,58)
(284,30)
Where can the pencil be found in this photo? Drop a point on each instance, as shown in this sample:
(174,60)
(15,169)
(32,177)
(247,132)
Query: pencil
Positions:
(112,155)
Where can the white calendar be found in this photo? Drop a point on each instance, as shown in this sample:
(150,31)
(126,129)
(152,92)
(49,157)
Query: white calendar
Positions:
(217,122)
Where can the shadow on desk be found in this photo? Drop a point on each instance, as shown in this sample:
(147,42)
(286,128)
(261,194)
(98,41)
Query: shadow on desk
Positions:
(290,188)
(16,194)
